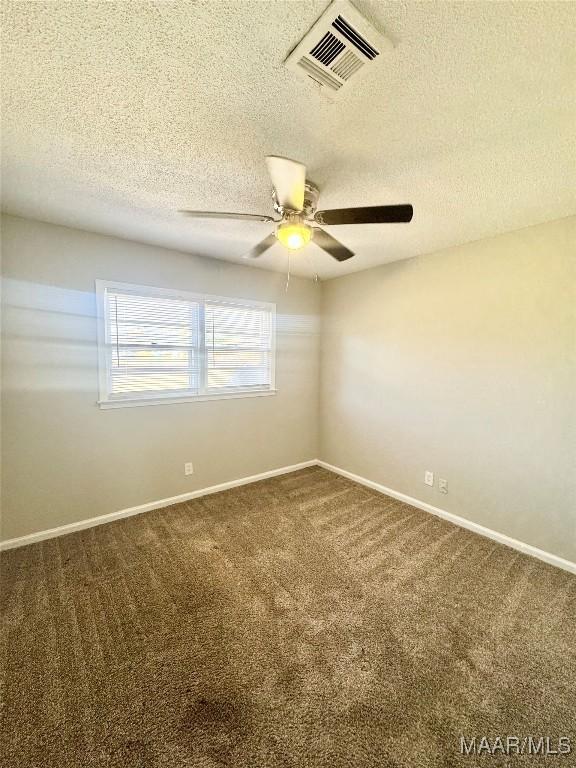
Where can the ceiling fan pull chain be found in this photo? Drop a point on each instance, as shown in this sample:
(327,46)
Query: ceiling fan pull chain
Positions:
(288,275)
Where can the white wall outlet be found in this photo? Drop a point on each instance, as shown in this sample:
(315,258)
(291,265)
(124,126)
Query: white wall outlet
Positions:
(429,478)
(442,485)
(188,468)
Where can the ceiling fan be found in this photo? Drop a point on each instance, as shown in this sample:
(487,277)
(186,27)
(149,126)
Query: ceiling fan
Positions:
(295,201)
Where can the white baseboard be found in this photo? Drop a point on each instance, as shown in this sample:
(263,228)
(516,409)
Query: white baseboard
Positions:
(501,538)
(62,530)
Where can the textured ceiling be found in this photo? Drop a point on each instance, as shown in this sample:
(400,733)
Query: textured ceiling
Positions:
(115,114)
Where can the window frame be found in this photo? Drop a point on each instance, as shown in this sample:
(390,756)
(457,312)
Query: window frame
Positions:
(105,400)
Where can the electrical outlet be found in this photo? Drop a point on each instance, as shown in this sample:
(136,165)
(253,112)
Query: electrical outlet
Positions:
(188,468)
(442,485)
(429,477)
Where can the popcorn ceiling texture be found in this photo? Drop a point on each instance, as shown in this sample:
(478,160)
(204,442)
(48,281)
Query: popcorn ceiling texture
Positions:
(116,114)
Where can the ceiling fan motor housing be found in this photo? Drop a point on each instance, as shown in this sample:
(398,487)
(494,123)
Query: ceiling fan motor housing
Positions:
(311,195)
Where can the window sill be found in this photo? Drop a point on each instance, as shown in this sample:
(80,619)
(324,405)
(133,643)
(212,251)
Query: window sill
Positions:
(171,400)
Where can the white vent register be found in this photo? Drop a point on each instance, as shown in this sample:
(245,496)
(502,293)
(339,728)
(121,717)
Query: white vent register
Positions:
(339,49)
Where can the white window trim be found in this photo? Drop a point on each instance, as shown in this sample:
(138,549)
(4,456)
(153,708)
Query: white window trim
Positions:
(106,402)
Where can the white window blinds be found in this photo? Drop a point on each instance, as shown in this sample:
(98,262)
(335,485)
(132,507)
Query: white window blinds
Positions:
(153,344)
(158,344)
(238,346)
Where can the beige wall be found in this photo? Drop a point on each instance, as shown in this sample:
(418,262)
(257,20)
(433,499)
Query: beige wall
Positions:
(64,459)
(462,362)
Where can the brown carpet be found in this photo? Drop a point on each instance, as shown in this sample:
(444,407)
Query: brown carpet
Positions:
(301,621)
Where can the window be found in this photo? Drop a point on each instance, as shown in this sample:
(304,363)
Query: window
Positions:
(158,346)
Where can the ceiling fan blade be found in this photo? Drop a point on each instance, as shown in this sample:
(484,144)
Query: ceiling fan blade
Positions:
(375,214)
(262,246)
(288,179)
(331,245)
(225,215)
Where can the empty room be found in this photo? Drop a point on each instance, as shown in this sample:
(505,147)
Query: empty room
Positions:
(288,384)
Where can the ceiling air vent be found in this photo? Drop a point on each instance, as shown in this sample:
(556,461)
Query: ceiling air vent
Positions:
(340,48)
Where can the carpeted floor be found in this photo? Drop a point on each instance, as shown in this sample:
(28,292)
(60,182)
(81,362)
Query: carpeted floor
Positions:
(301,621)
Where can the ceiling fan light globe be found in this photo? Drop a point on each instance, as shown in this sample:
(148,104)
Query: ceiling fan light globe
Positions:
(293,235)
